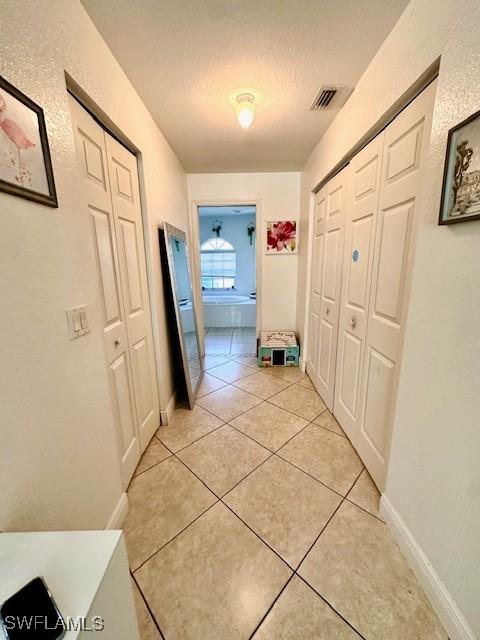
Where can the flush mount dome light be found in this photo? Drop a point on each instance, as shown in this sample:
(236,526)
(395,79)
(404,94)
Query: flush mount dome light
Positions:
(245,109)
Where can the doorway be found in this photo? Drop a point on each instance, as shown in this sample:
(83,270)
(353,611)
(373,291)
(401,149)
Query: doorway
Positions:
(227,245)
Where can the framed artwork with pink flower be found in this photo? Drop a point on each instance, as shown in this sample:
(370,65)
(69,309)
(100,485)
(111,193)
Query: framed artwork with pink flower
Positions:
(282,237)
(25,163)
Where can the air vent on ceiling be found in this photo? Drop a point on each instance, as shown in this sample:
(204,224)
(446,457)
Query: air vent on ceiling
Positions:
(325,96)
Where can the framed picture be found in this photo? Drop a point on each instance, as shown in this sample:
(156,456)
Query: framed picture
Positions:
(282,237)
(25,163)
(461,177)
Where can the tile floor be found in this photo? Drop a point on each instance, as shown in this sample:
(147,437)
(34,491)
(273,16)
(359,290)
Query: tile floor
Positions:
(252,517)
(231,341)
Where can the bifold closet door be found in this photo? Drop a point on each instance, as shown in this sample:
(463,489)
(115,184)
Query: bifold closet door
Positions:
(110,181)
(404,157)
(122,167)
(91,151)
(332,225)
(364,192)
(316,282)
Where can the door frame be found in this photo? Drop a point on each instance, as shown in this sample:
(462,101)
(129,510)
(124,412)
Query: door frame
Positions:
(308,282)
(195,255)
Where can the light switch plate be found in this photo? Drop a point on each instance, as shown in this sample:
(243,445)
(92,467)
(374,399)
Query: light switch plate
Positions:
(77,320)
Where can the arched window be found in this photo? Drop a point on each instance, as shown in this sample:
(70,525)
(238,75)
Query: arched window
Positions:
(219,264)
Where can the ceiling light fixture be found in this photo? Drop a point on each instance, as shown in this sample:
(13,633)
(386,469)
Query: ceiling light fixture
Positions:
(245,109)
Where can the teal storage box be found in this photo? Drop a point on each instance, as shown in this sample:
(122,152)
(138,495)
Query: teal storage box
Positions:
(278,349)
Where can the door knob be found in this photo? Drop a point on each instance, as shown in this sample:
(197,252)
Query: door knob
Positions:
(327,311)
(353,323)
(117,342)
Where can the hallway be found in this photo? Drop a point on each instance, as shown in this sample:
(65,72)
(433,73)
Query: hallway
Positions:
(252,516)
(179,180)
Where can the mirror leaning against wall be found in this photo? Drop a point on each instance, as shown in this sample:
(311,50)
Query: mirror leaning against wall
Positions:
(181,281)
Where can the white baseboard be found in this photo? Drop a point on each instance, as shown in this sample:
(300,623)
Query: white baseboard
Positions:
(450,615)
(302,365)
(166,416)
(119,514)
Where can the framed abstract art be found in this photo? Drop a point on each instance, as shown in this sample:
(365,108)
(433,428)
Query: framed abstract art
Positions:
(25,163)
(282,237)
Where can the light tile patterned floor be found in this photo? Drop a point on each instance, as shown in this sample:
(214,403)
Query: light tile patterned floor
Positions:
(231,341)
(253,517)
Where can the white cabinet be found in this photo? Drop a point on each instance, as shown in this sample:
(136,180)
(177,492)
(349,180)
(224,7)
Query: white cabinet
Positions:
(86,572)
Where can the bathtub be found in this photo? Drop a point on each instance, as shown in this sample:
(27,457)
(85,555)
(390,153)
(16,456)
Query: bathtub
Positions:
(224,298)
(228,310)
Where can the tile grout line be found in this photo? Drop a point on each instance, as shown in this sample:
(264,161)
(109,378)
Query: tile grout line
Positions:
(329,605)
(325,526)
(290,384)
(247,435)
(369,513)
(310,475)
(176,535)
(154,619)
(155,464)
(199,438)
(264,617)
(237,483)
(221,499)
(261,400)
(258,536)
(198,478)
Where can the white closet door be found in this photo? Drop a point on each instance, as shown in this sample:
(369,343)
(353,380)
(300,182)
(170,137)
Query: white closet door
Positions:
(91,151)
(365,172)
(317,265)
(406,140)
(331,279)
(122,168)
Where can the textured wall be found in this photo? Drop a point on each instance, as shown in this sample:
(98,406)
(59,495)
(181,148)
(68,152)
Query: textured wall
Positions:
(58,466)
(434,474)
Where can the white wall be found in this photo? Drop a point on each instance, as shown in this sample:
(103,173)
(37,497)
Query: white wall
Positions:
(278,196)
(434,475)
(58,466)
(234,230)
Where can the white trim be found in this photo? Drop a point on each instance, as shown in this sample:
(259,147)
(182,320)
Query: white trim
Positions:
(119,514)
(167,415)
(308,283)
(302,363)
(450,615)
(195,253)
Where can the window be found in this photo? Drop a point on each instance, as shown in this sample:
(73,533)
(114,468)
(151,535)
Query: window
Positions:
(219,264)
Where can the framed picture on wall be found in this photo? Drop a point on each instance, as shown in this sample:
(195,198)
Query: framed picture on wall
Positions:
(282,237)
(25,163)
(461,178)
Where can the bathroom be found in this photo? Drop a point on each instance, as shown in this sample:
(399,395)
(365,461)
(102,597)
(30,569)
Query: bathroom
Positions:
(228,272)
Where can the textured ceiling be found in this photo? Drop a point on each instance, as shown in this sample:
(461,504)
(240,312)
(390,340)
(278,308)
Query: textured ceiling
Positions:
(189,59)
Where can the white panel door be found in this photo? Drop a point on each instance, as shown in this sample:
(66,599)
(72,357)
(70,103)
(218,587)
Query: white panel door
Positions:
(122,168)
(406,141)
(317,265)
(331,279)
(364,191)
(91,151)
